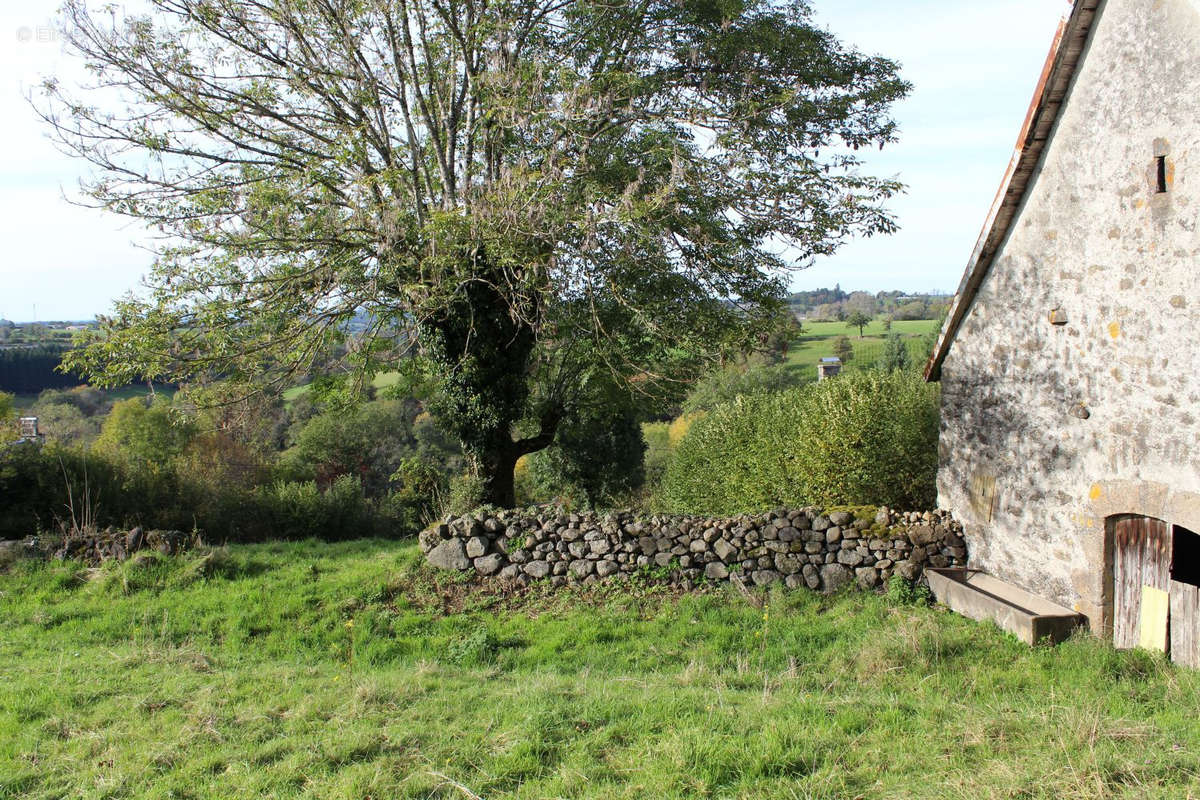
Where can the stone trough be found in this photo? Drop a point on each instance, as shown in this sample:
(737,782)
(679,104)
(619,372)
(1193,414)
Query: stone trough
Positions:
(980,596)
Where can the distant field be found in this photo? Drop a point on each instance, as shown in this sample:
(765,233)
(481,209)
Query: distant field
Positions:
(382,381)
(24,402)
(817,342)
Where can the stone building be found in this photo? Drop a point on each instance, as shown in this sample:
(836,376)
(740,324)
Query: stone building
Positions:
(1070,360)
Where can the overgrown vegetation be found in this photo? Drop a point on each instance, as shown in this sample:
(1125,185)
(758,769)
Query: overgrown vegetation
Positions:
(525,193)
(348,671)
(247,471)
(867,438)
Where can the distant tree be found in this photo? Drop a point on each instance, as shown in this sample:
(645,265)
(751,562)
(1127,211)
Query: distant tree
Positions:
(843,349)
(887,322)
(777,341)
(6,415)
(895,355)
(861,301)
(825,312)
(913,309)
(858,319)
(367,442)
(931,338)
(63,423)
(90,401)
(938,309)
(144,435)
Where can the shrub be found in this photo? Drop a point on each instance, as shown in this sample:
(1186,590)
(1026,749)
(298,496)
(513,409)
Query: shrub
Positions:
(300,510)
(895,355)
(598,456)
(466,494)
(863,439)
(658,453)
(33,485)
(843,349)
(368,442)
(415,501)
(723,385)
(681,425)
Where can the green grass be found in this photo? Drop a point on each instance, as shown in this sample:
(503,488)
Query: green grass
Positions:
(350,671)
(380,381)
(817,342)
(912,327)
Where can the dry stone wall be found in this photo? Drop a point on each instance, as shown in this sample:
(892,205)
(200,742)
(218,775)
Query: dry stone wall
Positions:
(801,547)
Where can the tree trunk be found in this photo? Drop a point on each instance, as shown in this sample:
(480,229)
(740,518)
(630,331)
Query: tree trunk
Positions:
(499,480)
(483,346)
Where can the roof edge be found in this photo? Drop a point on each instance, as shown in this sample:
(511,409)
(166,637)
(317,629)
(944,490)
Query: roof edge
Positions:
(1049,98)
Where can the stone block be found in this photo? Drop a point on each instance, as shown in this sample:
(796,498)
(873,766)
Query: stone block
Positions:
(450,554)
(851,558)
(834,577)
(489,565)
(765,577)
(866,577)
(724,550)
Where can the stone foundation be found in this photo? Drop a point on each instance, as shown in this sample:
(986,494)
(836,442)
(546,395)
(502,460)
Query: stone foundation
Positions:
(802,547)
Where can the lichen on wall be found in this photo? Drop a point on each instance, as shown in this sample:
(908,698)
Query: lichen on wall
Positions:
(1051,411)
(806,547)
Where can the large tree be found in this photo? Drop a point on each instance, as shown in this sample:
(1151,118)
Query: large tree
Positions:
(531,189)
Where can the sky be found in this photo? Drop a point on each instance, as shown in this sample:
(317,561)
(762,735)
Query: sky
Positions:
(974,66)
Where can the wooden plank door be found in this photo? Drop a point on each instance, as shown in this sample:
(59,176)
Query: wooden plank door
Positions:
(1185,624)
(1141,557)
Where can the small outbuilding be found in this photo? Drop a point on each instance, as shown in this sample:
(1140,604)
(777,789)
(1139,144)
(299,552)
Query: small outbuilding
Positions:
(1069,364)
(828,367)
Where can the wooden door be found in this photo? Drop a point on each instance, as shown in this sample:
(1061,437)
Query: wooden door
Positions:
(1185,598)
(1185,624)
(1141,557)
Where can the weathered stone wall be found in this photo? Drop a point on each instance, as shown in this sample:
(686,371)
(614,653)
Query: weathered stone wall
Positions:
(1048,430)
(803,547)
(96,547)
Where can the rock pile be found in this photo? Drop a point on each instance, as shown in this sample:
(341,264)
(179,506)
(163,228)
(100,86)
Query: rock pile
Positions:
(98,546)
(801,547)
(120,545)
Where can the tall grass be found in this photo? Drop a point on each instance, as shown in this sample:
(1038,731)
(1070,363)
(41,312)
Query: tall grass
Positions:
(236,674)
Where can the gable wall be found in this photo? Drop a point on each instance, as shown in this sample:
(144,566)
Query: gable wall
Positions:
(1032,481)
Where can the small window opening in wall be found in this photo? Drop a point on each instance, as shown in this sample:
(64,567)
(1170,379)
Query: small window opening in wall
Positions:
(1185,557)
(1160,165)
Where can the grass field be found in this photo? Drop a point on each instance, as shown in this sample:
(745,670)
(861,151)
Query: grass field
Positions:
(381,381)
(349,671)
(24,402)
(817,342)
